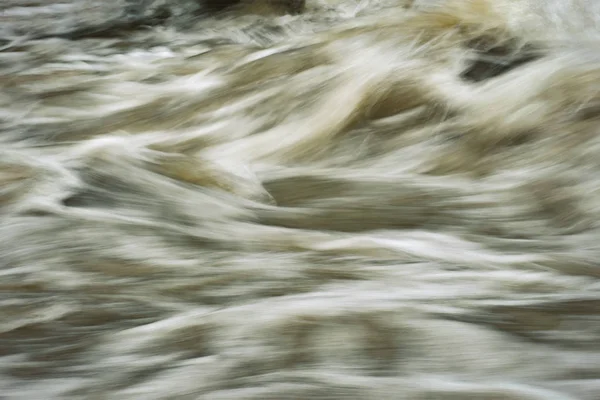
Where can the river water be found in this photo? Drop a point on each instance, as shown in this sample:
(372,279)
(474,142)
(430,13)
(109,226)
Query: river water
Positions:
(367,200)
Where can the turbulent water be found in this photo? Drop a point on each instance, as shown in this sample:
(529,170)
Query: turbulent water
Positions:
(367,200)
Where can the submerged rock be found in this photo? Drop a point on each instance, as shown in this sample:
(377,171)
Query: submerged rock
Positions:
(87,18)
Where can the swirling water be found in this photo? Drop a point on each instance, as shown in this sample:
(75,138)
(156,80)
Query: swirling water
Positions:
(368,200)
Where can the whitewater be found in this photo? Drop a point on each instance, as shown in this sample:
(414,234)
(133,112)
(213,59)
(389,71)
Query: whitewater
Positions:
(342,199)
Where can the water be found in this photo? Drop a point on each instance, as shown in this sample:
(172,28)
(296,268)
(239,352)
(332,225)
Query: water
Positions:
(368,200)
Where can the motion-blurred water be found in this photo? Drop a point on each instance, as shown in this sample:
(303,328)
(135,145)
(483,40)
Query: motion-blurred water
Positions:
(368,200)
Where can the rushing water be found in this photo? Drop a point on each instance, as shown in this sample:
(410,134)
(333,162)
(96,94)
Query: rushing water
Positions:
(367,200)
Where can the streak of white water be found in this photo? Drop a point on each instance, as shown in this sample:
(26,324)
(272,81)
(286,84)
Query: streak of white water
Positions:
(370,200)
